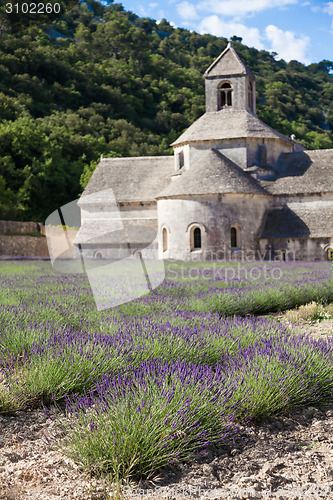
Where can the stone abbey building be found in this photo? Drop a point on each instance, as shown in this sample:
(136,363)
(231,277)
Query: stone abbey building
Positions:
(234,187)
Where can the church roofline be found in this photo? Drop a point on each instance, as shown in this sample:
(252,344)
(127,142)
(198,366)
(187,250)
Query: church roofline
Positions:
(184,143)
(212,173)
(132,179)
(228,124)
(229,47)
(305,172)
(135,158)
(229,193)
(299,220)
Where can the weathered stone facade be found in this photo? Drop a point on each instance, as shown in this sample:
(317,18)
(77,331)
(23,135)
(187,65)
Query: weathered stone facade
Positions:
(234,187)
(22,239)
(214,215)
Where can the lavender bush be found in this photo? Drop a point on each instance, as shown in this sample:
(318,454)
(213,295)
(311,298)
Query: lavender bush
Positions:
(154,380)
(141,419)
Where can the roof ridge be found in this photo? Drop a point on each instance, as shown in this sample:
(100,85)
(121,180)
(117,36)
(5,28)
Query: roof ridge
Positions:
(127,158)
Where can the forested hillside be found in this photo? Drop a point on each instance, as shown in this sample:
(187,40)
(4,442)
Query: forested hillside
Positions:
(100,80)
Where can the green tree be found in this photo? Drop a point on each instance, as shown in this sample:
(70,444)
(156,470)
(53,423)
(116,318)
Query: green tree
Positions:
(8,202)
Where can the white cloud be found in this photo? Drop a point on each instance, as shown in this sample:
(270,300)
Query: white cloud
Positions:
(287,45)
(142,11)
(241,7)
(187,11)
(145,10)
(329,8)
(218,27)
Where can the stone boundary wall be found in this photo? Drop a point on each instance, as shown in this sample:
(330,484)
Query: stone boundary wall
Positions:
(9,227)
(22,239)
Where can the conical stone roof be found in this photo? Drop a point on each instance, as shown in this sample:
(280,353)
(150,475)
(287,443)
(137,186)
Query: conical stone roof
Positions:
(212,173)
(228,124)
(228,63)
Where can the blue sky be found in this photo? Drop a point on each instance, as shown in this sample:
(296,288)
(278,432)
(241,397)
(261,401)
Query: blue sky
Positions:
(295,29)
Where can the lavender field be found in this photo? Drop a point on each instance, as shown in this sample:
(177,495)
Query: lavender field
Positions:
(155,380)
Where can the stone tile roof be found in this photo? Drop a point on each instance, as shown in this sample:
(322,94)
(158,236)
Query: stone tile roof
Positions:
(303,172)
(300,220)
(228,124)
(114,232)
(132,179)
(228,63)
(212,173)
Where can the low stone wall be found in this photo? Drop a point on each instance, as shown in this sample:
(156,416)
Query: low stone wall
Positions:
(22,239)
(9,227)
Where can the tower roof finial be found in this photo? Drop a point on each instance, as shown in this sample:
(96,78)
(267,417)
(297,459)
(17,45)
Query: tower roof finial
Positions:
(229,44)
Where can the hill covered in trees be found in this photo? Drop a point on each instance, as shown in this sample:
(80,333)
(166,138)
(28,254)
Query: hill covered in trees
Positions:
(100,80)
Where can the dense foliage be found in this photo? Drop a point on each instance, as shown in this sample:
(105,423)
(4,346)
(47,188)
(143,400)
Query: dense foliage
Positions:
(100,80)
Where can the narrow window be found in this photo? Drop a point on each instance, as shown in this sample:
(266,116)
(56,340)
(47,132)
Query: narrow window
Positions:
(225,95)
(180,159)
(283,255)
(233,237)
(250,96)
(165,239)
(197,238)
(262,156)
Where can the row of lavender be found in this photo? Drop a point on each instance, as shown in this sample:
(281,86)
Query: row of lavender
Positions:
(160,378)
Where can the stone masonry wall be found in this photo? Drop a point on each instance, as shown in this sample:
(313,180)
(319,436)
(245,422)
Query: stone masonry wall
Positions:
(17,239)
(291,249)
(239,85)
(214,215)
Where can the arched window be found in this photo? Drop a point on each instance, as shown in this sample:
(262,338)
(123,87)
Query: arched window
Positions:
(233,237)
(195,238)
(225,96)
(250,96)
(165,239)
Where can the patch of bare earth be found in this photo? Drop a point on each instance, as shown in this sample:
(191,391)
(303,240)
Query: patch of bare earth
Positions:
(301,320)
(289,456)
(29,468)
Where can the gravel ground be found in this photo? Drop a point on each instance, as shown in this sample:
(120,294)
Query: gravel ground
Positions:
(289,456)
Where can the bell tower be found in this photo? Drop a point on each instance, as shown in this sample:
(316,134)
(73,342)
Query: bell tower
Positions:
(230,84)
